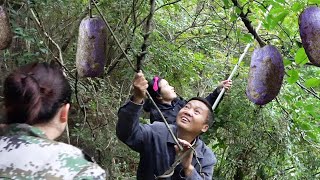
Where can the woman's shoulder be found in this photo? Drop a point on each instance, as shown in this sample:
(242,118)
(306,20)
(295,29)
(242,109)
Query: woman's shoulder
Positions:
(56,158)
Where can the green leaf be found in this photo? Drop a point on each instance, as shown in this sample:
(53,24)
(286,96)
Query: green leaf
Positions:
(198,56)
(312,82)
(280,1)
(226,4)
(304,125)
(301,57)
(266,24)
(276,15)
(313,1)
(238,10)
(280,17)
(293,76)
(312,136)
(287,62)
(247,38)
(297,6)
(233,17)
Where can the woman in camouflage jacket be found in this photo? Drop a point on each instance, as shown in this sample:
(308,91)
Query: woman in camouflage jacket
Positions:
(36,99)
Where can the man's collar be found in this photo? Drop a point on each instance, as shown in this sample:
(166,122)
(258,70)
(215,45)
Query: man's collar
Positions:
(198,142)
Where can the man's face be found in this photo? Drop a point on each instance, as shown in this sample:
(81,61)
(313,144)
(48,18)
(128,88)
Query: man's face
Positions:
(193,117)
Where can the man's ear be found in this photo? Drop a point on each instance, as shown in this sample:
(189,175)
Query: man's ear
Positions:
(205,128)
(64,111)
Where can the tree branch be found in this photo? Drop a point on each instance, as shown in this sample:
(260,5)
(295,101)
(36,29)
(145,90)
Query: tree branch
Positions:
(47,35)
(248,24)
(306,89)
(170,3)
(144,46)
(144,19)
(193,24)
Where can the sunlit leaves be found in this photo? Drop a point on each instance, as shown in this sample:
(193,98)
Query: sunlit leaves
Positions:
(293,76)
(297,6)
(301,57)
(312,82)
(314,2)
(275,16)
(227,3)
(287,62)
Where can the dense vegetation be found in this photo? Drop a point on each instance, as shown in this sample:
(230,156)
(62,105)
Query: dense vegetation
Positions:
(194,44)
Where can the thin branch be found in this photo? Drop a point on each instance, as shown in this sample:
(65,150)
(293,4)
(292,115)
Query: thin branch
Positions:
(73,32)
(213,8)
(193,24)
(59,59)
(47,35)
(283,109)
(144,45)
(170,3)
(114,36)
(134,16)
(306,89)
(281,172)
(248,24)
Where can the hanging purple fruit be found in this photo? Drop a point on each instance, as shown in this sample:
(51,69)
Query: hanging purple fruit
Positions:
(91,49)
(309,25)
(266,75)
(5,29)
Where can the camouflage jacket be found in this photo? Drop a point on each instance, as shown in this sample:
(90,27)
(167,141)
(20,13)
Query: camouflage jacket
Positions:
(27,153)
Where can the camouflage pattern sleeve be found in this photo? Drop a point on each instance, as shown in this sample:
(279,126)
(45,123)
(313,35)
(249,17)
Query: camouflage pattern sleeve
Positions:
(25,153)
(93,172)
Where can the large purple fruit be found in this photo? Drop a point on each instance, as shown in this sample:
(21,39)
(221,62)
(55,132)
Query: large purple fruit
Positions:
(309,25)
(91,50)
(5,29)
(266,75)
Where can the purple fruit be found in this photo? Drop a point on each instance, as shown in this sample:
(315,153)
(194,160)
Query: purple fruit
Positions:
(266,75)
(5,29)
(91,49)
(309,25)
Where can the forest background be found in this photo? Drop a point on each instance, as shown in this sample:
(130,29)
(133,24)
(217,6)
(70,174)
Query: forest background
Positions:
(194,44)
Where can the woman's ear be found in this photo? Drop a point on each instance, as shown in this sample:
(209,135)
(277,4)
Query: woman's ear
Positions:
(64,111)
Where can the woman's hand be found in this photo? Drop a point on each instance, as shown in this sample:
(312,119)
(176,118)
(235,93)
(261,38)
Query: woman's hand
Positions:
(225,84)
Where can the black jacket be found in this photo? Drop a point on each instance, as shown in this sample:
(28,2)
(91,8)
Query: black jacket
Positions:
(170,111)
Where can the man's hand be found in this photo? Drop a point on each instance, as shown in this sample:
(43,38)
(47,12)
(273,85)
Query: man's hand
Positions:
(225,84)
(187,160)
(140,85)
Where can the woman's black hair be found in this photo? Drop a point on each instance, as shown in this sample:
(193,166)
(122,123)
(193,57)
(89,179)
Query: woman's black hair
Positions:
(34,93)
(153,88)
